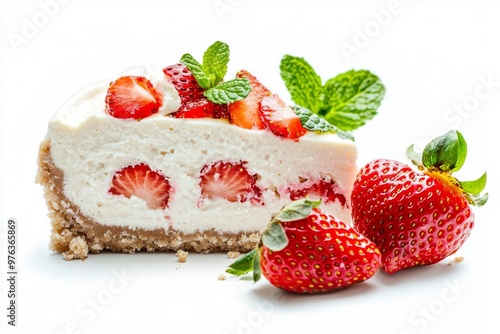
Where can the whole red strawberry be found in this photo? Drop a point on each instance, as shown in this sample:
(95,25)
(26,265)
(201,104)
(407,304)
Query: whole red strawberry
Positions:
(417,217)
(306,250)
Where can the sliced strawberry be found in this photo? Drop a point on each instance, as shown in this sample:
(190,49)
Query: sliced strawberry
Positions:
(326,190)
(184,82)
(140,181)
(201,108)
(230,181)
(280,118)
(245,113)
(132,97)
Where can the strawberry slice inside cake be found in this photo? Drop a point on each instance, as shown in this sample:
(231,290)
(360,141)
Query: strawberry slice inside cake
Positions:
(172,159)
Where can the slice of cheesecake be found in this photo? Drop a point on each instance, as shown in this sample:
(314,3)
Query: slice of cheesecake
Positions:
(147,162)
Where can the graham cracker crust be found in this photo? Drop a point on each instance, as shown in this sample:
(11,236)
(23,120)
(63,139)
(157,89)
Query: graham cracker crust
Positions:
(76,235)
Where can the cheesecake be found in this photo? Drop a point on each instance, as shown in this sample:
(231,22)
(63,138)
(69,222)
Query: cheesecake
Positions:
(153,160)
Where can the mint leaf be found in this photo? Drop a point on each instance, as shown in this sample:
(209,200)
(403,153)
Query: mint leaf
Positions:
(313,122)
(346,101)
(244,264)
(446,152)
(197,69)
(215,60)
(211,72)
(302,82)
(229,91)
(352,98)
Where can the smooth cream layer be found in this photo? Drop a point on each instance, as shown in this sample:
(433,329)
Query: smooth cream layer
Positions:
(89,146)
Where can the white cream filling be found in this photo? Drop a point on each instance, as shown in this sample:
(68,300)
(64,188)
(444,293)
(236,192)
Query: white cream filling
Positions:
(89,146)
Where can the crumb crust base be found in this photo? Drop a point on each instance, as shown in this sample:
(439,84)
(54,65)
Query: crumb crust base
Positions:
(76,235)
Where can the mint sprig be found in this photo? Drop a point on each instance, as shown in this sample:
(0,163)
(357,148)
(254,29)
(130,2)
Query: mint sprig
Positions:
(347,100)
(303,83)
(446,154)
(210,75)
(228,91)
(313,122)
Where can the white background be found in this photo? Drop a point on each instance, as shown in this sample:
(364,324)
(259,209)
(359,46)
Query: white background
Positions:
(440,63)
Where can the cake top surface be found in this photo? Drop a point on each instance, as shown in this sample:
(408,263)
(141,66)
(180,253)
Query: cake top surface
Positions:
(198,91)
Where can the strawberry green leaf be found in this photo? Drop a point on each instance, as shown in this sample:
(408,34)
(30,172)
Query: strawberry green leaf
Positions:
(197,69)
(274,236)
(302,82)
(244,264)
(313,122)
(250,262)
(256,267)
(479,200)
(446,153)
(474,187)
(352,98)
(229,91)
(215,60)
(416,158)
(296,210)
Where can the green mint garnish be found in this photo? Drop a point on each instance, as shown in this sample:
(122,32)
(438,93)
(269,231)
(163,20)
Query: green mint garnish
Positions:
(302,82)
(215,61)
(197,70)
(446,154)
(347,100)
(313,122)
(210,74)
(228,91)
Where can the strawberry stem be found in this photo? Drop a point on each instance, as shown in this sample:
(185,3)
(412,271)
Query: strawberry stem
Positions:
(446,153)
(443,156)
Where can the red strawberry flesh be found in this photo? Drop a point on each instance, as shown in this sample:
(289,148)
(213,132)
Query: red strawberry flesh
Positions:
(184,82)
(201,108)
(132,97)
(230,181)
(326,190)
(245,113)
(142,182)
(280,118)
